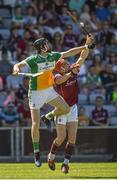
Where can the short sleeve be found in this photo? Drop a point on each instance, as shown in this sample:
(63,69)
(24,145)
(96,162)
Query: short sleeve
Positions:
(30,61)
(56,55)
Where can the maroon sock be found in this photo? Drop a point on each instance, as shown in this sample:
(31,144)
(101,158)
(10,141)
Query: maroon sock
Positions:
(69,150)
(54,147)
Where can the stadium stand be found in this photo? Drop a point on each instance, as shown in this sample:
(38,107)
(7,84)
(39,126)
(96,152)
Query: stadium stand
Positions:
(16,39)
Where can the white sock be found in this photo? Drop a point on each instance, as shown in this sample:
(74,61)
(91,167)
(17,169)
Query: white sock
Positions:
(36,150)
(66,161)
(51,156)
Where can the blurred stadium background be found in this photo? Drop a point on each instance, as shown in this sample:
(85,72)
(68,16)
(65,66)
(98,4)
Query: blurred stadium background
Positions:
(23,21)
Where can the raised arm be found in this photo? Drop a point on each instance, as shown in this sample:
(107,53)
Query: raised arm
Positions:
(83,56)
(73,51)
(16,68)
(84,53)
(77,50)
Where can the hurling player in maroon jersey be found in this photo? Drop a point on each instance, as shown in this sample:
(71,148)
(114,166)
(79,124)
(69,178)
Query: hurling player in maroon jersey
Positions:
(67,86)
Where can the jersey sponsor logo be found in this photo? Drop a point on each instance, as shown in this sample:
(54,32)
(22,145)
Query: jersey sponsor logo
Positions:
(69,83)
(45,66)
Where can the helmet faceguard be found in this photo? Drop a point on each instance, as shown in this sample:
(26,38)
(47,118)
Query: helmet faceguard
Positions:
(40,44)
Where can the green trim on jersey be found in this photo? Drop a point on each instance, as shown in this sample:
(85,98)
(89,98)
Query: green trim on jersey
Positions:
(38,63)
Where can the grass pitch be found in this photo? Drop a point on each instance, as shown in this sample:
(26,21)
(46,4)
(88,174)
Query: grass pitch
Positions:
(77,171)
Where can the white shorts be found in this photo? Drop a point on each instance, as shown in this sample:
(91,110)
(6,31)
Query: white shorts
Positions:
(72,116)
(38,98)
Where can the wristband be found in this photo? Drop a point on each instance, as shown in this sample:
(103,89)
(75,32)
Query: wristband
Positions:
(86,46)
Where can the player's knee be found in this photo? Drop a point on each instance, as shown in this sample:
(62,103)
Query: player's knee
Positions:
(35,124)
(60,140)
(72,140)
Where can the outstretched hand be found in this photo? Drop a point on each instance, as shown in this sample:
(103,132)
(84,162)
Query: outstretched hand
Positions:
(90,41)
(16,70)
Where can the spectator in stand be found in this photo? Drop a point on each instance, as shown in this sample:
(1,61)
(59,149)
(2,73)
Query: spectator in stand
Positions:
(3,92)
(30,15)
(58,6)
(23,56)
(27,37)
(69,41)
(15,40)
(49,19)
(10,98)
(64,17)
(69,38)
(82,74)
(25,3)
(97,63)
(18,15)
(113,61)
(102,12)
(45,15)
(111,47)
(76,27)
(95,22)
(92,5)
(22,92)
(100,116)
(29,49)
(112,6)
(85,16)
(13,82)
(24,111)
(1,84)
(34,30)
(108,78)
(9,116)
(58,42)
(91,81)
(76,4)
(114,96)
(5,66)
(114,21)
(5,50)
(104,34)
(83,119)
(99,49)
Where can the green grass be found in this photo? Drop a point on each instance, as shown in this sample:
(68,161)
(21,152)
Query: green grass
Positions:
(77,171)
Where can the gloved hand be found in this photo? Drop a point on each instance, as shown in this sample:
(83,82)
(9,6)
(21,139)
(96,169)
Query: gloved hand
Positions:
(90,41)
(91,46)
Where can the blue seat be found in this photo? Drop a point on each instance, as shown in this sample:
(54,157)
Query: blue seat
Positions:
(82,99)
(113,121)
(5,33)
(5,11)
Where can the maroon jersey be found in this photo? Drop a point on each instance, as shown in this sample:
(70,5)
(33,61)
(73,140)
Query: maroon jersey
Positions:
(100,116)
(68,90)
